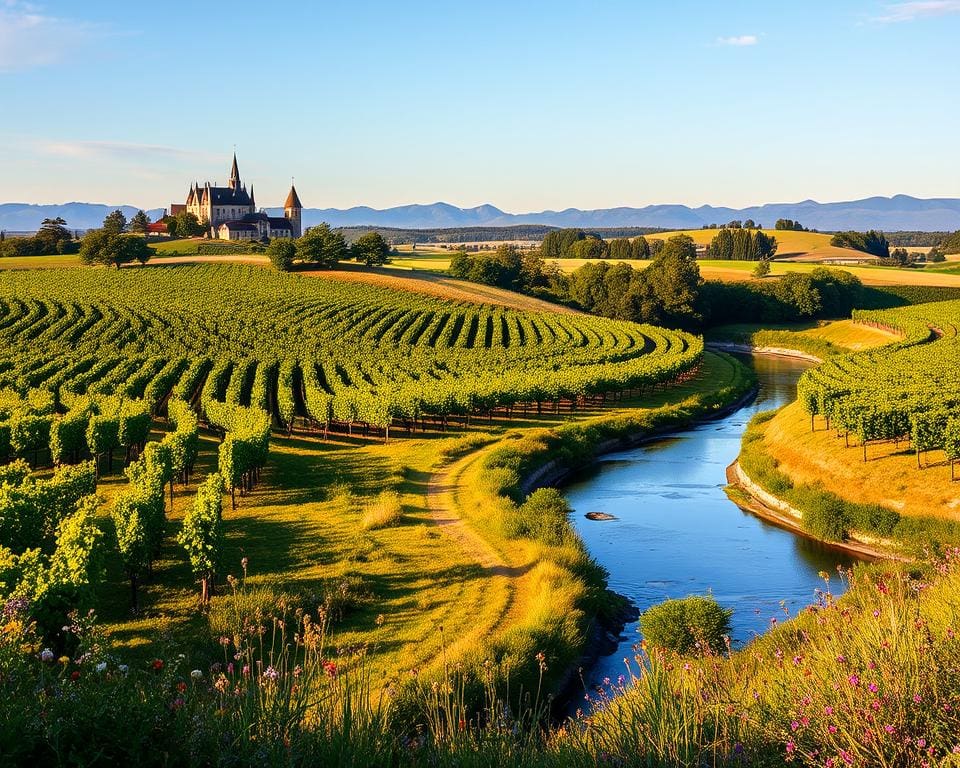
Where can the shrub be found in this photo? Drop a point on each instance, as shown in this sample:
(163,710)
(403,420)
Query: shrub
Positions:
(384,511)
(545,517)
(688,624)
(825,516)
(282,251)
(342,596)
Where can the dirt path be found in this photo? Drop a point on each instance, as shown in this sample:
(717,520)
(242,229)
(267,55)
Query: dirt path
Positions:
(507,583)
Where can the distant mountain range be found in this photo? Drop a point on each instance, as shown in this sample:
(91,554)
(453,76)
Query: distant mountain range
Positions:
(886,213)
(24,217)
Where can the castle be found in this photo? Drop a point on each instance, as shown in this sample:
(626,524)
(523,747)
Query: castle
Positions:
(232,214)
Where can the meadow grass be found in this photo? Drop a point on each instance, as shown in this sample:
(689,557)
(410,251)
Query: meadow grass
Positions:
(889,478)
(870,679)
(788,242)
(54,261)
(819,338)
(323,521)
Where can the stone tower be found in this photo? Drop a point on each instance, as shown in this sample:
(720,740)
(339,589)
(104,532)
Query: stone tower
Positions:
(293,209)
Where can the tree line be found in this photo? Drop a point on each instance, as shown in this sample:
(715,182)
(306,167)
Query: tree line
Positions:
(112,246)
(580,244)
(669,291)
(873,242)
(662,293)
(326,247)
(52,237)
(742,245)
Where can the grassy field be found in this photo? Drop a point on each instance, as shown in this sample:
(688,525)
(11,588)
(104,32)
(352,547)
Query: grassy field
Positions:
(40,262)
(890,477)
(788,242)
(824,337)
(444,565)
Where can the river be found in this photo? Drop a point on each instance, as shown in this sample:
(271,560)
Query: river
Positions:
(677,533)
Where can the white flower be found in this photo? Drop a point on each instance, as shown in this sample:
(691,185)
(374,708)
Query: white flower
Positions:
(46,655)
(196,674)
(123,669)
(102,666)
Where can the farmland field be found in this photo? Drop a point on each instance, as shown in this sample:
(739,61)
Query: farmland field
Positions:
(878,427)
(325,372)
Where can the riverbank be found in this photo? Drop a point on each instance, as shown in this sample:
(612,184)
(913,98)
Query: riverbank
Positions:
(749,349)
(560,602)
(753,498)
(555,471)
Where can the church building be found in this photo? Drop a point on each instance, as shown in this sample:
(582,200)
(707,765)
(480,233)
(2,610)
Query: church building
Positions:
(231,212)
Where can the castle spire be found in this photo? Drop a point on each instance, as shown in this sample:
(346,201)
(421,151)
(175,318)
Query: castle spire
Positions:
(234,183)
(293,209)
(253,204)
(293,200)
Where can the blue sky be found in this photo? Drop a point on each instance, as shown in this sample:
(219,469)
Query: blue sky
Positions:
(526,105)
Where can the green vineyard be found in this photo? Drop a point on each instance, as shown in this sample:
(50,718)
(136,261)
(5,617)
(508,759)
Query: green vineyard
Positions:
(909,390)
(91,357)
(330,353)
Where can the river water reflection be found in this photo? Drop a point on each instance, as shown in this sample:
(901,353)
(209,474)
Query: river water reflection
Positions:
(677,533)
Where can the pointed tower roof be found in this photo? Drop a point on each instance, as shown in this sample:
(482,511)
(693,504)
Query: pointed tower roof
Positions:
(293,200)
(253,203)
(234,174)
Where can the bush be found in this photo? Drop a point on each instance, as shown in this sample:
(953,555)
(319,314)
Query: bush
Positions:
(825,516)
(693,623)
(345,595)
(228,610)
(282,252)
(383,511)
(545,517)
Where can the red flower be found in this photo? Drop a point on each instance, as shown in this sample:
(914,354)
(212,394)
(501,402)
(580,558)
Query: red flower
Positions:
(156,665)
(330,668)
(181,686)
(75,675)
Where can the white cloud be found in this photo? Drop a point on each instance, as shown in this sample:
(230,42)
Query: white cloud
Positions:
(739,41)
(29,38)
(118,150)
(918,9)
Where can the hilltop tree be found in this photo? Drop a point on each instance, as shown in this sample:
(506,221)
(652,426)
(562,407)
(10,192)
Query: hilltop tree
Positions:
(140,222)
(52,236)
(322,246)
(590,247)
(115,222)
(742,245)
(371,249)
(282,251)
(872,242)
(722,245)
(100,246)
(557,244)
(789,225)
(764,246)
